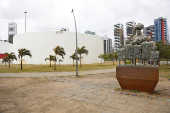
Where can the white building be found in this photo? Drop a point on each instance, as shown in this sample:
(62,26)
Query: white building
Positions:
(5,47)
(41,45)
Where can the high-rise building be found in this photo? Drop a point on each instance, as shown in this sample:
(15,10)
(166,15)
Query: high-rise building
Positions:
(130,29)
(107,45)
(12,31)
(118,36)
(161,30)
(149,32)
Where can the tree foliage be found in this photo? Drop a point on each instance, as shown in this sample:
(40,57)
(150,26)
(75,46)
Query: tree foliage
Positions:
(9,58)
(164,51)
(74,57)
(23,52)
(109,56)
(59,51)
(82,51)
(50,59)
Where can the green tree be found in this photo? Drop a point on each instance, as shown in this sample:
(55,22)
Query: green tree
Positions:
(59,51)
(5,60)
(101,57)
(9,58)
(74,57)
(23,52)
(115,56)
(164,51)
(50,59)
(82,51)
(111,57)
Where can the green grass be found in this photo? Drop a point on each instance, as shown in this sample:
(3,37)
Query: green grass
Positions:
(164,71)
(47,68)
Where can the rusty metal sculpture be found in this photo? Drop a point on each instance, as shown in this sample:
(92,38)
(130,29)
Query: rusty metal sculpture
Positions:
(142,73)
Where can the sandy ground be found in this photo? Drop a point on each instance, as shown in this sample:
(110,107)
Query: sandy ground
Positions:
(88,94)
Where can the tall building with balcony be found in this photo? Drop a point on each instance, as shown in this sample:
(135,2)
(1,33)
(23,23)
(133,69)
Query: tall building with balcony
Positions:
(130,29)
(161,30)
(118,36)
(149,32)
(12,31)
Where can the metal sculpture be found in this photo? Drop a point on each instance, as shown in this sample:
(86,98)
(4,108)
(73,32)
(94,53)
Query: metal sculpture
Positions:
(142,73)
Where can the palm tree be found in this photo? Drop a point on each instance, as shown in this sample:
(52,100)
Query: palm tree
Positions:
(101,57)
(60,60)
(5,60)
(115,55)
(50,58)
(9,58)
(23,52)
(59,51)
(73,57)
(82,51)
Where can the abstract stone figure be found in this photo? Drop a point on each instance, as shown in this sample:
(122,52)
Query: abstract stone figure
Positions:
(138,28)
(143,52)
(137,52)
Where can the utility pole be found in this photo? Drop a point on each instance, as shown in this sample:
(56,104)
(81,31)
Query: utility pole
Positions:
(76,44)
(25,12)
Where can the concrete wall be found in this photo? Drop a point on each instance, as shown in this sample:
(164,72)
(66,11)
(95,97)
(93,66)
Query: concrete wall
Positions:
(5,47)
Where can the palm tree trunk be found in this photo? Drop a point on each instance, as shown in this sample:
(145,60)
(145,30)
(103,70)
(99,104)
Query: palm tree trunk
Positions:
(80,60)
(73,63)
(55,66)
(21,63)
(50,63)
(167,61)
(9,64)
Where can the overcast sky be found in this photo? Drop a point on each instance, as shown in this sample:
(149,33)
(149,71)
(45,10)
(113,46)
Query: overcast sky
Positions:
(94,15)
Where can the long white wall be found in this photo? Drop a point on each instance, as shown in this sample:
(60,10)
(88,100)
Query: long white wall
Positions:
(41,44)
(5,47)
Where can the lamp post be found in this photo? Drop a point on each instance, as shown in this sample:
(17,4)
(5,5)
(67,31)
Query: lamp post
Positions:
(76,43)
(25,12)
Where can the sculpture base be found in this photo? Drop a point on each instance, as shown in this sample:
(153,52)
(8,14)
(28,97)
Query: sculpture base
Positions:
(139,78)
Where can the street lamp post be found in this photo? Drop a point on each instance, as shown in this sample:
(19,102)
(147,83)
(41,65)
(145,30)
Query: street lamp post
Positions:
(76,44)
(25,12)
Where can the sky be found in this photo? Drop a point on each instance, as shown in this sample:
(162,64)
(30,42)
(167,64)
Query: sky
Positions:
(95,15)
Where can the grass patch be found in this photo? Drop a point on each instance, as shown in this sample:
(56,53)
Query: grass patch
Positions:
(134,91)
(117,89)
(46,68)
(164,71)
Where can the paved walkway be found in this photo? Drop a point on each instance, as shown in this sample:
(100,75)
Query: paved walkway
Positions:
(48,74)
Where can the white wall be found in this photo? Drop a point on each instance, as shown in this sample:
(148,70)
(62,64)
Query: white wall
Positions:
(41,44)
(5,47)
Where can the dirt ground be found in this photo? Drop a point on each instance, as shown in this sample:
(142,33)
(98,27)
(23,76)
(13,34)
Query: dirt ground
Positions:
(87,94)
